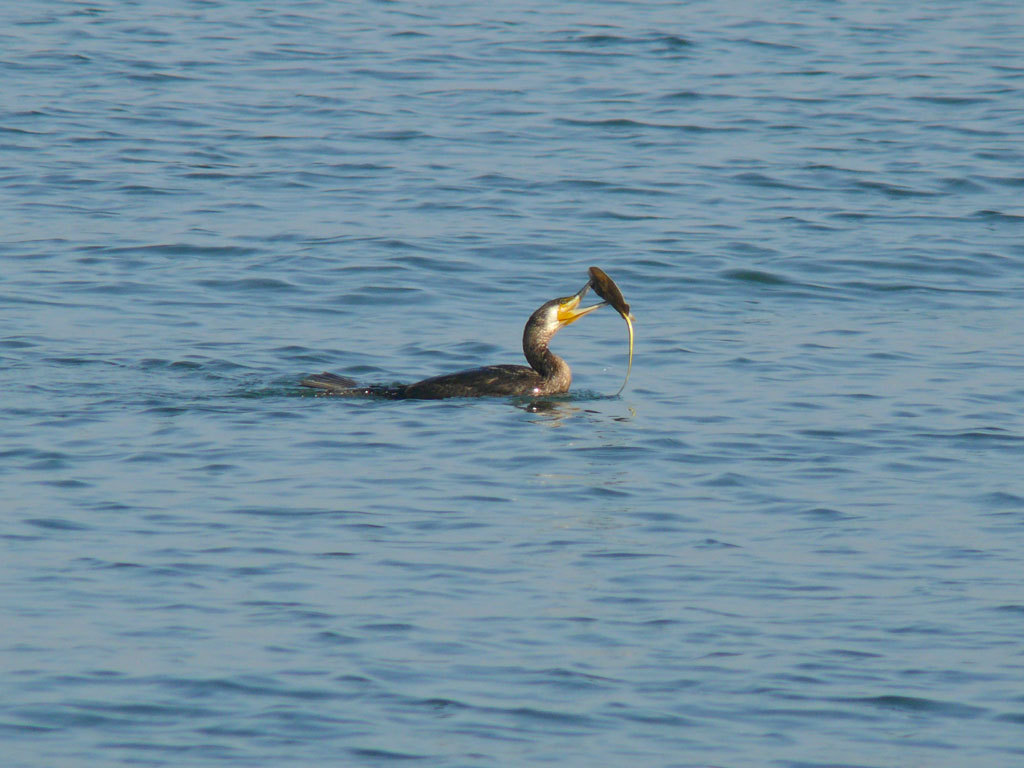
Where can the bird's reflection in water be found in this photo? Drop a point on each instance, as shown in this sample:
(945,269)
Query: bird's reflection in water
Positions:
(550,412)
(554,412)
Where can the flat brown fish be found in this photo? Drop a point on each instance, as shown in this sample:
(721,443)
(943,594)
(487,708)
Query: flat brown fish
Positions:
(606,288)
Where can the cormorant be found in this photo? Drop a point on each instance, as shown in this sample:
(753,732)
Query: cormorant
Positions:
(547,374)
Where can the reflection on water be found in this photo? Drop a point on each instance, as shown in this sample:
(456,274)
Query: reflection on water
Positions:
(551,412)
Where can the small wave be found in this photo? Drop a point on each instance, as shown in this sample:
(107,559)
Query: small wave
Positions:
(988,215)
(757,276)
(625,122)
(276,285)
(917,704)
(893,190)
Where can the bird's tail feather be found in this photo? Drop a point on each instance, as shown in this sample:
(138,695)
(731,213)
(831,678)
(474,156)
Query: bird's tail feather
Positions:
(330,382)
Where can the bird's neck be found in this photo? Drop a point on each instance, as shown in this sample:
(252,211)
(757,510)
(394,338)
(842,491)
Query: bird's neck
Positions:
(553,369)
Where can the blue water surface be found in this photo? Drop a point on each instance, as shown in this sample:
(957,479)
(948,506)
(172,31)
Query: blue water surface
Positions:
(794,540)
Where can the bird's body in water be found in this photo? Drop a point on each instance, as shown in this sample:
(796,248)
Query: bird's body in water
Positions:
(547,374)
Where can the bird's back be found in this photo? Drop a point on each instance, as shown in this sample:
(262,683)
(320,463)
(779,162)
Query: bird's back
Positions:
(489,381)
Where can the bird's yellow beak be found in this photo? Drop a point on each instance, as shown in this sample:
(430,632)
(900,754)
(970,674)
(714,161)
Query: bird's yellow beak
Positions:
(569,309)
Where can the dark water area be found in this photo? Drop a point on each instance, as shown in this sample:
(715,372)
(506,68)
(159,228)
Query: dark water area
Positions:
(794,540)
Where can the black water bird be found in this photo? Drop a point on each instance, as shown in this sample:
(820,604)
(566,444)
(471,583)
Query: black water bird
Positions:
(547,374)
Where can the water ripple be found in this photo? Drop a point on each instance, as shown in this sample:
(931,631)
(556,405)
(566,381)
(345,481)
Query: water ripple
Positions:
(793,536)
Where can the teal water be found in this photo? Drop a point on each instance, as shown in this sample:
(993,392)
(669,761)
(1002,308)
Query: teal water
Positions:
(794,540)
